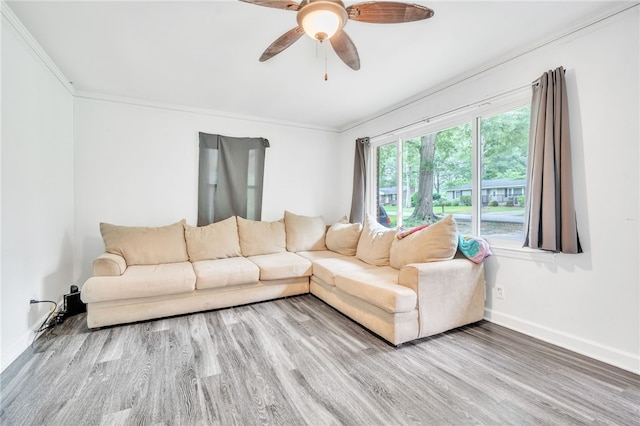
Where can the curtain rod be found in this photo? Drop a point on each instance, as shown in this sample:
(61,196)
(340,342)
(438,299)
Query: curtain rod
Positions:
(536,82)
(470,105)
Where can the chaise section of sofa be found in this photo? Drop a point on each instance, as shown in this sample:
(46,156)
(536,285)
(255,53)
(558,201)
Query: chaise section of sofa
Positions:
(400,301)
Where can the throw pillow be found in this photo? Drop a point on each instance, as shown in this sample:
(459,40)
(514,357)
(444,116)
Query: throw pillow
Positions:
(437,242)
(146,245)
(258,237)
(375,242)
(304,233)
(401,234)
(342,237)
(215,241)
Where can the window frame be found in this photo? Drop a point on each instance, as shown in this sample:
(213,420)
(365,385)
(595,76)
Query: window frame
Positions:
(471,114)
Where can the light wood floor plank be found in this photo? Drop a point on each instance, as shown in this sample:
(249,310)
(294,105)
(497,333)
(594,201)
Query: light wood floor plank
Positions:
(297,361)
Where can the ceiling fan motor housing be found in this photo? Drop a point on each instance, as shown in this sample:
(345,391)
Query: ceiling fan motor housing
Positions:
(321,19)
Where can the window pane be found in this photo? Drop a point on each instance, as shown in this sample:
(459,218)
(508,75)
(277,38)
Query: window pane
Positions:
(251,203)
(410,178)
(438,165)
(212,155)
(387,184)
(212,160)
(251,168)
(251,186)
(504,140)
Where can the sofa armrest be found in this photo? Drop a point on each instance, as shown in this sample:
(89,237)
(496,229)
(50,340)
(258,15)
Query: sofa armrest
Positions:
(108,265)
(450,293)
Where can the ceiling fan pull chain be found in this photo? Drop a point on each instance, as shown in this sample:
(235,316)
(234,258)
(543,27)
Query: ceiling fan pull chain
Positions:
(326,75)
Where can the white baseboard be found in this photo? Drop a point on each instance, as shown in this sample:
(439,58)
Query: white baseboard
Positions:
(625,360)
(15,350)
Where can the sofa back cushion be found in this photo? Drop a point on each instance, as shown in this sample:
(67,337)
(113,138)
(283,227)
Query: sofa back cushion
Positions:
(434,243)
(304,233)
(375,241)
(146,245)
(342,237)
(258,237)
(215,241)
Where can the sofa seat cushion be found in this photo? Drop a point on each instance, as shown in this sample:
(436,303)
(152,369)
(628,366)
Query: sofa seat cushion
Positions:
(319,254)
(277,266)
(141,281)
(225,272)
(327,269)
(378,287)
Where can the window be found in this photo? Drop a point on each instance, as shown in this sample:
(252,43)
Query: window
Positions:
(230,177)
(473,168)
(504,140)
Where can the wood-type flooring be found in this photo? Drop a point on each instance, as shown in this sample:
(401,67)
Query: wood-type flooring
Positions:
(297,361)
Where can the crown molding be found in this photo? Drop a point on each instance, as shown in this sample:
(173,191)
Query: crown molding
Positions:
(11,21)
(81,94)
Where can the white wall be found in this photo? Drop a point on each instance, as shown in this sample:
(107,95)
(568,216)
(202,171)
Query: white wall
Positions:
(37,189)
(138,165)
(589,303)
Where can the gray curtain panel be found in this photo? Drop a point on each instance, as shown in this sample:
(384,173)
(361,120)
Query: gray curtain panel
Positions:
(550,220)
(359,181)
(230,178)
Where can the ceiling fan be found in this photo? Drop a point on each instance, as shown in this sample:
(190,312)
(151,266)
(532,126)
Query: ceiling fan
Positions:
(325,19)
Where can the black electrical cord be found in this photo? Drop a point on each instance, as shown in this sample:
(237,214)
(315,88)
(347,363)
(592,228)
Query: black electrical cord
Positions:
(47,323)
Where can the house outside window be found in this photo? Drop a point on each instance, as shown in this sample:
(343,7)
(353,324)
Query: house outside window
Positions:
(472,166)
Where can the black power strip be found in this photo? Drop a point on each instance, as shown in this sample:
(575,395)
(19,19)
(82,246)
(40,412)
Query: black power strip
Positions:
(72,306)
(60,317)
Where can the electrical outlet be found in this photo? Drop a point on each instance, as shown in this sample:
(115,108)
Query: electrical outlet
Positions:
(500,292)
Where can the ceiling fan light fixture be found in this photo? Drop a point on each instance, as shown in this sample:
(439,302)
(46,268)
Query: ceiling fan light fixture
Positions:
(322,19)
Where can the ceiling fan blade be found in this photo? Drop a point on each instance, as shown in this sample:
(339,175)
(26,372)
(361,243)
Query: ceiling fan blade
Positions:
(281,43)
(388,12)
(345,49)
(278,4)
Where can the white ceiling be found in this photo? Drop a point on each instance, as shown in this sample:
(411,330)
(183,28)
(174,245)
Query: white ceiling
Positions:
(204,54)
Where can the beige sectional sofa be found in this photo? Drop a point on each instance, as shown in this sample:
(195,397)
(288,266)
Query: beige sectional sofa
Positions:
(399,289)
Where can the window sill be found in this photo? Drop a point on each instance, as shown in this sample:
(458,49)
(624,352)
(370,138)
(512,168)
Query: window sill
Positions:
(514,251)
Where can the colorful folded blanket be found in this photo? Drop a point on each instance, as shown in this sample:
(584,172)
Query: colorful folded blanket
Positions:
(474,248)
